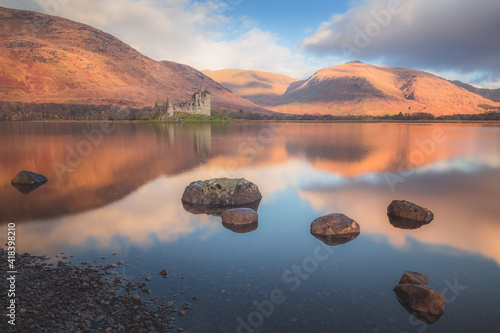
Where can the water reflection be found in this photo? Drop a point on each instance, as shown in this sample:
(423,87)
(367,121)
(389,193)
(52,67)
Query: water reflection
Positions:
(131,183)
(403,223)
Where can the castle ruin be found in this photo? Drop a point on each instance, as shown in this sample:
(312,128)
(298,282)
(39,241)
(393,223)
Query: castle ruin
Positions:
(198,104)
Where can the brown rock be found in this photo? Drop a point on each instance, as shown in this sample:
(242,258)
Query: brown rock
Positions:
(241,228)
(335,229)
(240,216)
(420,298)
(221,192)
(163,273)
(414,278)
(402,223)
(407,210)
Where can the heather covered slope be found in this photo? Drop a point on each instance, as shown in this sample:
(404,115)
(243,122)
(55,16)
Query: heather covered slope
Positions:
(259,87)
(47,59)
(354,88)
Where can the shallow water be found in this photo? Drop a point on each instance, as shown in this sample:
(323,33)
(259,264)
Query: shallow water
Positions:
(117,188)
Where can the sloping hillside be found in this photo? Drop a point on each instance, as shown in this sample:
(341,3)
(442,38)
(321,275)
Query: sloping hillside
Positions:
(47,59)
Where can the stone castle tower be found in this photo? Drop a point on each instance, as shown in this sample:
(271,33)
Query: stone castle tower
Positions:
(198,104)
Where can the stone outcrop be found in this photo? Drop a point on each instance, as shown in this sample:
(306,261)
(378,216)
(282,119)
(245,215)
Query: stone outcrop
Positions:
(335,229)
(409,213)
(418,298)
(198,104)
(222,192)
(27,181)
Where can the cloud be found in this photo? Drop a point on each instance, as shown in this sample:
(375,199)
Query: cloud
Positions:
(448,35)
(203,35)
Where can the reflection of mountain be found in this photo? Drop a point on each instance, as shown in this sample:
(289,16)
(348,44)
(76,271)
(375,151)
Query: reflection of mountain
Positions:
(124,160)
(134,154)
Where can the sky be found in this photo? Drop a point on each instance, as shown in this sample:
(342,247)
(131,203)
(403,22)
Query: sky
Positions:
(456,39)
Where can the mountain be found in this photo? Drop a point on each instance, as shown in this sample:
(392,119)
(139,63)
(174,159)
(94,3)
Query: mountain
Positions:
(259,87)
(493,94)
(48,59)
(356,88)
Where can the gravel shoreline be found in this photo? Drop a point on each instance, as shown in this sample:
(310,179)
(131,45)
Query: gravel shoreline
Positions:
(81,298)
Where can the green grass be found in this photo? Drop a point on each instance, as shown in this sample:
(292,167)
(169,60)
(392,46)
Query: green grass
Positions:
(196,118)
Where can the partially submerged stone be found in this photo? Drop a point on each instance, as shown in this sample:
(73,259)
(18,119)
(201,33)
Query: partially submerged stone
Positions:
(410,211)
(335,229)
(27,181)
(240,216)
(214,196)
(402,223)
(418,298)
(241,228)
(240,220)
(414,278)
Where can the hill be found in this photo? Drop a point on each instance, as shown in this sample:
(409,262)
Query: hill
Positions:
(48,59)
(493,94)
(356,88)
(259,87)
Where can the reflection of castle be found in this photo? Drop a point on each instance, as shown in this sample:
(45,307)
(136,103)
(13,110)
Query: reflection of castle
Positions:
(198,104)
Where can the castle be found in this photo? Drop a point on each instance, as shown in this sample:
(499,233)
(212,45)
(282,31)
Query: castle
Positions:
(198,104)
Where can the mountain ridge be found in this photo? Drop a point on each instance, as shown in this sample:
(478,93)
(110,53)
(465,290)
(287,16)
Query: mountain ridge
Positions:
(48,59)
(356,88)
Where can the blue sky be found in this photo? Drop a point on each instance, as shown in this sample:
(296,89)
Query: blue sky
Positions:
(457,39)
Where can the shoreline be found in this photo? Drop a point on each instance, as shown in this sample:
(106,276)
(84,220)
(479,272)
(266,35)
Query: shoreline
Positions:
(67,297)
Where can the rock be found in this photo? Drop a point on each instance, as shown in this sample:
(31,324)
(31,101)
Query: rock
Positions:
(182,313)
(27,181)
(240,216)
(418,298)
(136,298)
(414,278)
(242,228)
(221,193)
(335,229)
(28,177)
(163,273)
(409,211)
(402,223)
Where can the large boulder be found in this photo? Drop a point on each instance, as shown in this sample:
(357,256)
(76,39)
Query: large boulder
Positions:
(335,229)
(409,211)
(418,298)
(222,192)
(27,181)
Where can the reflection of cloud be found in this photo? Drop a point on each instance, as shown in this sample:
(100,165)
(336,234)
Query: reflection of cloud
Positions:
(154,211)
(464,219)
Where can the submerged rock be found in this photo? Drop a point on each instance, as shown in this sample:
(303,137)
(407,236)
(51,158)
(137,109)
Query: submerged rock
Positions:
(217,195)
(240,220)
(414,278)
(241,228)
(409,211)
(418,298)
(216,210)
(335,229)
(240,216)
(402,223)
(27,181)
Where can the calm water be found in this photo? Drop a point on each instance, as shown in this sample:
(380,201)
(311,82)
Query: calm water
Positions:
(117,188)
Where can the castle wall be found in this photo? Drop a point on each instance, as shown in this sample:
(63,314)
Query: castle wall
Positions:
(198,104)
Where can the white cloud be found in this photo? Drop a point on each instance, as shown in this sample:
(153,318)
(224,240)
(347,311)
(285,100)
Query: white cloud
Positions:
(200,34)
(446,35)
